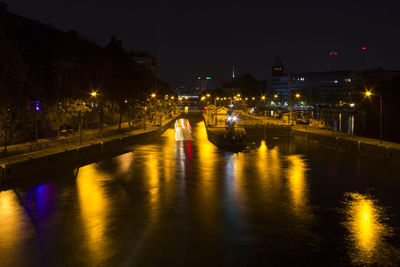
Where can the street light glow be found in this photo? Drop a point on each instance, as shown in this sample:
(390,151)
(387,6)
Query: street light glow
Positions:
(297,95)
(93,93)
(368,93)
(276,96)
(263,97)
(153,95)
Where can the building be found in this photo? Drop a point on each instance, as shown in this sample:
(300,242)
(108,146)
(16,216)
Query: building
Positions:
(326,88)
(322,88)
(277,67)
(145,59)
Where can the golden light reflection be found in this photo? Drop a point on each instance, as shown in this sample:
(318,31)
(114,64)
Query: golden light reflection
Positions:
(367,230)
(125,162)
(168,155)
(237,163)
(13,227)
(274,165)
(262,157)
(269,170)
(208,179)
(297,182)
(153,180)
(94,207)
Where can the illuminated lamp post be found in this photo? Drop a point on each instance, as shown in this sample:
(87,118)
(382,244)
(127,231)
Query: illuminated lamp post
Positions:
(369,94)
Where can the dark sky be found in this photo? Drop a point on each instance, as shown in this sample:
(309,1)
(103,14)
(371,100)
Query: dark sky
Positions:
(192,38)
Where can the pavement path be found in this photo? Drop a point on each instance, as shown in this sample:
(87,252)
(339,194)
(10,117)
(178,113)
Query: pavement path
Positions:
(44,147)
(367,140)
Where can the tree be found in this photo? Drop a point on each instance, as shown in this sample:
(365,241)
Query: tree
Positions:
(13,76)
(77,108)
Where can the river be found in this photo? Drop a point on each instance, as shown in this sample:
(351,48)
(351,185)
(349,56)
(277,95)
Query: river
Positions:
(186,203)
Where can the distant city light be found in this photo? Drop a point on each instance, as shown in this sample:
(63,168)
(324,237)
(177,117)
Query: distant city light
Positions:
(208,78)
(364,48)
(37,105)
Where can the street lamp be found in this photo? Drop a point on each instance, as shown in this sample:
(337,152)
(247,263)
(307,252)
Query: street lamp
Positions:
(263,97)
(368,94)
(93,93)
(275,96)
(153,95)
(297,95)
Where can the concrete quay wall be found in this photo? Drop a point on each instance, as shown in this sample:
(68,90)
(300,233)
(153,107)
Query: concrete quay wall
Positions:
(351,145)
(42,161)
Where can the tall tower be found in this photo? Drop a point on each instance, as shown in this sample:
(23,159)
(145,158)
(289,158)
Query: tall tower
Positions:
(277,67)
(363,57)
(233,71)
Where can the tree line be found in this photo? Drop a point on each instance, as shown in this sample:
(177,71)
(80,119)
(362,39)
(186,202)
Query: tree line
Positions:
(52,81)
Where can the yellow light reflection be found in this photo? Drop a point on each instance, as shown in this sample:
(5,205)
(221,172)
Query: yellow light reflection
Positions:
(153,180)
(94,206)
(206,193)
(167,156)
(297,182)
(269,170)
(367,231)
(262,157)
(13,227)
(125,162)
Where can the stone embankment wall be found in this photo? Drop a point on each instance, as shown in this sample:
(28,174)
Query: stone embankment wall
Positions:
(351,145)
(42,161)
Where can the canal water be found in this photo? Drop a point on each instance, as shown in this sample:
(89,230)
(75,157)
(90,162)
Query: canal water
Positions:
(186,203)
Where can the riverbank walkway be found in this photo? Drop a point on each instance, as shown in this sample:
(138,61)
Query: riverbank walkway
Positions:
(324,132)
(345,136)
(45,147)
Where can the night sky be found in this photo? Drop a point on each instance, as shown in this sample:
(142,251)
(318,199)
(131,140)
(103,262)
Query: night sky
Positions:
(192,38)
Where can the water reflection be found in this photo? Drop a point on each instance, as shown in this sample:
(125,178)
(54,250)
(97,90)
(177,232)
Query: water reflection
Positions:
(297,182)
(15,227)
(206,193)
(188,203)
(153,182)
(94,210)
(368,231)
